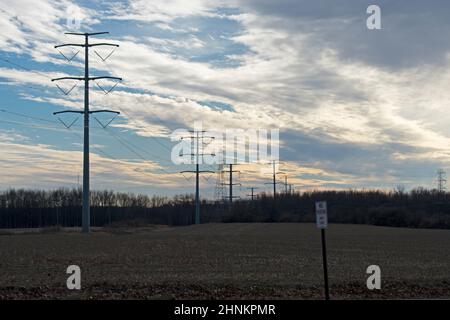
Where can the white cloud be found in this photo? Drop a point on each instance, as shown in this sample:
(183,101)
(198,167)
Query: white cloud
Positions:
(43,166)
(161,11)
(289,77)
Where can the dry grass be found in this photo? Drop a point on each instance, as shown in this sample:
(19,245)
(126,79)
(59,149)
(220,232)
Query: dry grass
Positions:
(226,261)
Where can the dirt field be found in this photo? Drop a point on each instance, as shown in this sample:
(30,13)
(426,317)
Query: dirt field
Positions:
(225,261)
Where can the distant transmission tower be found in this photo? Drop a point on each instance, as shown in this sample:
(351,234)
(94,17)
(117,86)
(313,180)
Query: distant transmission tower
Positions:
(274,177)
(441,180)
(197,138)
(291,188)
(286,185)
(219,193)
(86,215)
(252,194)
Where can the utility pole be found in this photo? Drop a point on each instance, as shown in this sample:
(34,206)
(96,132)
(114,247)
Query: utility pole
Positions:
(86,216)
(274,178)
(231,184)
(196,137)
(274,184)
(252,194)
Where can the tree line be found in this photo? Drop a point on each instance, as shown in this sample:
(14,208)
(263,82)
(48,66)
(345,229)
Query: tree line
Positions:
(419,208)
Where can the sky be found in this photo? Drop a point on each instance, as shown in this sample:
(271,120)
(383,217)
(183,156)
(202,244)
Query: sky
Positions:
(355,108)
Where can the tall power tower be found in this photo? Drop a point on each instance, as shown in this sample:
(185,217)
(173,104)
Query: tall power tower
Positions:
(197,143)
(230,183)
(441,180)
(86,215)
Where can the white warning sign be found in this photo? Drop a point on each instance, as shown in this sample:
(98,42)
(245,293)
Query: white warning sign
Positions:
(321,215)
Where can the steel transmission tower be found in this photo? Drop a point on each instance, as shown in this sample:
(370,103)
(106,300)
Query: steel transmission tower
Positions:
(197,142)
(441,180)
(219,190)
(86,216)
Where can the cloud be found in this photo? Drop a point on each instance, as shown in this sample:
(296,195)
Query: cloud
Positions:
(311,69)
(160,11)
(43,166)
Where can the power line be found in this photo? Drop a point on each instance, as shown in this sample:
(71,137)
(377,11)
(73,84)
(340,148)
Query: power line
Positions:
(108,155)
(25,68)
(93,147)
(111,133)
(28,116)
(86,89)
(28,70)
(20,85)
(98,149)
(50,121)
(135,147)
(40,119)
(30,125)
(124,144)
(131,118)
(125,113)
(104,62)
(140,127)
(129,146)
(143,128)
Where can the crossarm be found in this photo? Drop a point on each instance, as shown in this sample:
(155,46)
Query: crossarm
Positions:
(67,111)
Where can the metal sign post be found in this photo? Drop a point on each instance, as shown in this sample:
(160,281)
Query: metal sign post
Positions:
(322,224)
